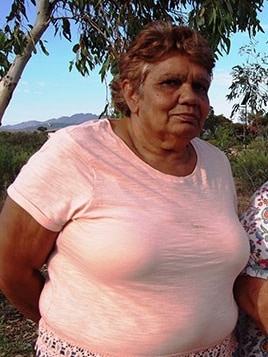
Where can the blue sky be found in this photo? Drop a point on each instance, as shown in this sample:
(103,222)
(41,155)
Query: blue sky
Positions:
(48,90)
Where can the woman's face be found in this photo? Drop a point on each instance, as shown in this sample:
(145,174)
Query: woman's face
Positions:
(173,102)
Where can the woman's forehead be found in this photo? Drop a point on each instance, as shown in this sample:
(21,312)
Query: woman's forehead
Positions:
(178,66)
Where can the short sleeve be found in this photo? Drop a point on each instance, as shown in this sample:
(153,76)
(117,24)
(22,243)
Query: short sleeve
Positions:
(255,222)
(56,183)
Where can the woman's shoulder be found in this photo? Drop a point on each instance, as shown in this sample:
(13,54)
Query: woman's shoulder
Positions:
(82,136)
(207,148)
(85,130)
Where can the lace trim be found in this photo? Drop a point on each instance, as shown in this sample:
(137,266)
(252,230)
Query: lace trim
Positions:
(50,345)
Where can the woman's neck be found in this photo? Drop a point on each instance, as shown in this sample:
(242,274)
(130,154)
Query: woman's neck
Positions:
(180,161)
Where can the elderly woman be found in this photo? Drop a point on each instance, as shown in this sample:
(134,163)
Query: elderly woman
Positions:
(135,219)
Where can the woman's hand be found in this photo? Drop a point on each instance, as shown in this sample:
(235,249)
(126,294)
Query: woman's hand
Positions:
(251,294)
(24,248)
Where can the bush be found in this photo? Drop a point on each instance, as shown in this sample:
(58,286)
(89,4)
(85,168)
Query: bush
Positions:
(250,171)
(250,167)
(15,150)
(224,138)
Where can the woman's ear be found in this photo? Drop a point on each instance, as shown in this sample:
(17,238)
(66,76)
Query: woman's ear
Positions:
(131,96)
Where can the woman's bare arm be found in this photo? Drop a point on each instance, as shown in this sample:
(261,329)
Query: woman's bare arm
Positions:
(251,294)
(24,248)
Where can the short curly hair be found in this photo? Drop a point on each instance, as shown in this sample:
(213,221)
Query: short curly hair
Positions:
(151,45)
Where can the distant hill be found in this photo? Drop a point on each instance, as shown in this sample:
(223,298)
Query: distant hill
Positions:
(51,124)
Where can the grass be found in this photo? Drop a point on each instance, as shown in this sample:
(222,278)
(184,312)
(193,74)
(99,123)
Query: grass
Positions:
(17,334)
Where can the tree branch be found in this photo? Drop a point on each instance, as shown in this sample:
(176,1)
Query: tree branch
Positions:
(11,79)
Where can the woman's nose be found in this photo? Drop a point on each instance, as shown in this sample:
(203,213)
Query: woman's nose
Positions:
(188,95)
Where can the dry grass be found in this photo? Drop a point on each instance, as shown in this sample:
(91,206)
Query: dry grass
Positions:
(243,196)
(17,334)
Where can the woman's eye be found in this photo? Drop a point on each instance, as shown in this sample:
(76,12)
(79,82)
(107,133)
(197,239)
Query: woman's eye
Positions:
(172,83)
(200,87)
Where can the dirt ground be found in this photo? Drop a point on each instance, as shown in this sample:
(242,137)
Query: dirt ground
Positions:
(17,334)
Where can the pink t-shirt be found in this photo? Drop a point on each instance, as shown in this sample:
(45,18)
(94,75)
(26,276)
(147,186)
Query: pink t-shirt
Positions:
(145,262)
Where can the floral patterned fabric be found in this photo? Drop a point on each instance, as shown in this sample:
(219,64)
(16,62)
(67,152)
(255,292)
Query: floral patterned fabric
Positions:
(252,343)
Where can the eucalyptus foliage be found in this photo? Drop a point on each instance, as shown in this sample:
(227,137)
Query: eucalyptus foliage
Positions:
(250,81)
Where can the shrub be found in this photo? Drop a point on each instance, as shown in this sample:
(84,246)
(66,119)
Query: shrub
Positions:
(15,150)
(250,171)
(251,168)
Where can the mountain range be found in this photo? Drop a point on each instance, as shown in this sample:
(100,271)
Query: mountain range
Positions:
(50,124)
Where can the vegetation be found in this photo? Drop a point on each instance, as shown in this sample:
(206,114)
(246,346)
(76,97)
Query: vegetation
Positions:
(249,166)
(15,150)
(103,29)
(249,82)
(246,148)
(17,334)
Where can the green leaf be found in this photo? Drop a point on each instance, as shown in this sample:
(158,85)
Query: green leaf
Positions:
(43,48)
(66,29)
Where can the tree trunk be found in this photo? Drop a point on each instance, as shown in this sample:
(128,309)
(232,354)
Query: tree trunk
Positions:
(11,79)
